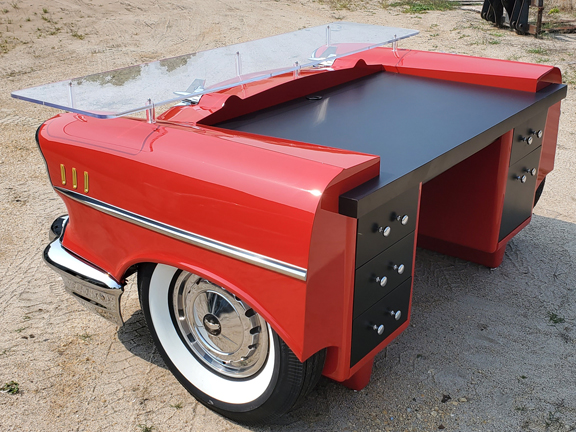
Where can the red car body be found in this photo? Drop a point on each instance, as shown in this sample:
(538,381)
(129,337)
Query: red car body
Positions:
(274,197)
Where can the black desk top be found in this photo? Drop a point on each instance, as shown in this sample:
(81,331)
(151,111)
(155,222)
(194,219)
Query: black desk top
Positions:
(419,127)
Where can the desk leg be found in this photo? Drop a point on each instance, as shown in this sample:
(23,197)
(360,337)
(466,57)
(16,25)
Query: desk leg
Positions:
(461,209)
(361,378)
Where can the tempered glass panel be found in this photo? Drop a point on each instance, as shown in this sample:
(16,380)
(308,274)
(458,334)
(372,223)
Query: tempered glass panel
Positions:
(124,91)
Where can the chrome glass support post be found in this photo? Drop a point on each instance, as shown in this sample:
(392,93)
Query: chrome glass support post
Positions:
(238,64)
(296,74)
(151,112)
(71,94)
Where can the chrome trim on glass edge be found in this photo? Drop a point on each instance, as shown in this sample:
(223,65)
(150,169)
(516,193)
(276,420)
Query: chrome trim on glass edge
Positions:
(189,237)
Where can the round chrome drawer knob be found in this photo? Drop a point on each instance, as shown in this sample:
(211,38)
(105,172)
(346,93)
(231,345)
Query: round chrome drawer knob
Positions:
(529,140)
(385,231)
(539,134)
(382,280)
(531,171)
(521,178)
(378,328)
(403,219)
(397,315)
(399,268)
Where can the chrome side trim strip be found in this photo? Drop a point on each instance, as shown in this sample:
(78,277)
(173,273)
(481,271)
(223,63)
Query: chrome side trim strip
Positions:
(189,237)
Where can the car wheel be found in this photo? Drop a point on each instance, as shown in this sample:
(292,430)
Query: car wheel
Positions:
(223,352)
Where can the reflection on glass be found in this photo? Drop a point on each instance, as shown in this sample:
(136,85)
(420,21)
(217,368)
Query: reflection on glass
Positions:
(124,91)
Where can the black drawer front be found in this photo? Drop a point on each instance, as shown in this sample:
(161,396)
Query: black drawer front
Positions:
(372,226)
(365,335)
(368,289)
(519,198)
(522,133)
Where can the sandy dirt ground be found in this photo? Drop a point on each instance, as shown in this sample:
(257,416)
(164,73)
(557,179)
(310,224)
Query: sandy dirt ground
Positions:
(501,343)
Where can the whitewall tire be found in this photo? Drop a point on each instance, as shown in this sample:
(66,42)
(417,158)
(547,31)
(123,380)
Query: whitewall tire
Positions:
(220,350)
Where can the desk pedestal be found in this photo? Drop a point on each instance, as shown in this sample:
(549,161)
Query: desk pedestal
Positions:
(473,209)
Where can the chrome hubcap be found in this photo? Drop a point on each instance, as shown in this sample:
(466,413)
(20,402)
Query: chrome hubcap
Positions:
(212,325)
(220,329)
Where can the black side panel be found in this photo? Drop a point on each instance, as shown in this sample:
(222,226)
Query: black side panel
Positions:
(519,198)
(365,335)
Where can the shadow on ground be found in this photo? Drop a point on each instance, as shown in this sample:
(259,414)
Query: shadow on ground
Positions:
(135,336)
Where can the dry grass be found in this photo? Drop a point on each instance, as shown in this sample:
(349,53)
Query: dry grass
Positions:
(561,5)
(423,6)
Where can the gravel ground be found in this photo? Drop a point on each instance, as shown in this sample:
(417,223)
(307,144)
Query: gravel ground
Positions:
(488,350)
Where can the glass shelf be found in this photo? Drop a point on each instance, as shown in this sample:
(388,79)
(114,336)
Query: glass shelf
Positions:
(128,90)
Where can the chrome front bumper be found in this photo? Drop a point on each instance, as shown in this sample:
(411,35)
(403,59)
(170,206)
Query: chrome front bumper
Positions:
(91,286)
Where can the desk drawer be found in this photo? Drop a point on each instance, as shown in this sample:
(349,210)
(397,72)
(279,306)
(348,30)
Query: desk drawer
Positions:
(386,219)
(368,288)
(519,197)
(527,137)
(365,335)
